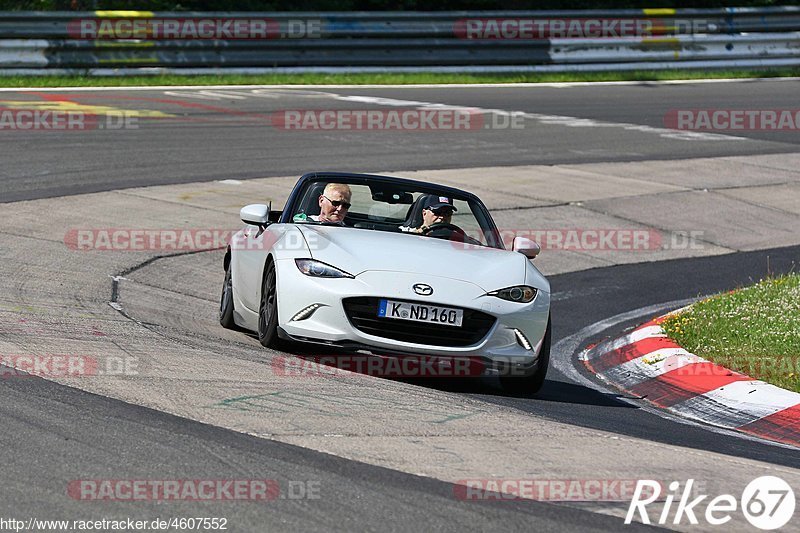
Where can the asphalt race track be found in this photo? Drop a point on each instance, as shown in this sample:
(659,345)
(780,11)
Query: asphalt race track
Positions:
(56,432)
(383,454)
(209,129)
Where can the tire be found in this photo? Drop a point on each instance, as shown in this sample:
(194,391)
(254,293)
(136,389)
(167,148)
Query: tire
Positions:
(268,310)
(226,301)
(530,385)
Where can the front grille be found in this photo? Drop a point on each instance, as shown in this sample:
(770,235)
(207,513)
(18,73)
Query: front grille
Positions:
(363,315)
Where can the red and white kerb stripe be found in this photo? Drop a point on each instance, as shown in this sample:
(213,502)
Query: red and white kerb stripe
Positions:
(647,364)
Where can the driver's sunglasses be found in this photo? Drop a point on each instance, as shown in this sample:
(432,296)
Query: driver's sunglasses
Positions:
(337,203)
(442,211)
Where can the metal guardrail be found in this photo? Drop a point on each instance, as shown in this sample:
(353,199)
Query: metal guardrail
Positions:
(35,43)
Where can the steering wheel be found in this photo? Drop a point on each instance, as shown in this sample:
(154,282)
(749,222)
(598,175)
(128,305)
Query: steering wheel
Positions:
(442,230)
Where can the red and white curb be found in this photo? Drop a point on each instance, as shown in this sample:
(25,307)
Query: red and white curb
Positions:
(647,364)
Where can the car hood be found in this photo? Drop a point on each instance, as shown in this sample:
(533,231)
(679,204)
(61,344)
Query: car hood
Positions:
(360,250)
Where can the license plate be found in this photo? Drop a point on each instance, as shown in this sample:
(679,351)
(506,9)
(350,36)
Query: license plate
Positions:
(432,314)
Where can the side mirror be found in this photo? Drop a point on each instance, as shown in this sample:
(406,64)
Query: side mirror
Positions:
(255,214)
(526,247)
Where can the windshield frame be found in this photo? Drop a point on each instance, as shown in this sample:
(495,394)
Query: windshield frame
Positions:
(480,211)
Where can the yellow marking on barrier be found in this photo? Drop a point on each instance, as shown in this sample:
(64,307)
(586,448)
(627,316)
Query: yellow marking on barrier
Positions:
(659,12)
(88,109)
(661,40)
(125,44)
(124,14)
(126,60)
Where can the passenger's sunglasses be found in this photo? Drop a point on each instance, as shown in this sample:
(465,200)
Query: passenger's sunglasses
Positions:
(337,203)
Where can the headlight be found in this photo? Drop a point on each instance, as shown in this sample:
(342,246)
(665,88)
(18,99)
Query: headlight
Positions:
(521,294)
(318,269)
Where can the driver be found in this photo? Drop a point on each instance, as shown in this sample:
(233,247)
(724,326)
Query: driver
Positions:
(435,210)
(333,204)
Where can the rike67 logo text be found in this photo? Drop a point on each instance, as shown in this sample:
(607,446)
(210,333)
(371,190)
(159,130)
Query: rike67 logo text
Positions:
(767,502)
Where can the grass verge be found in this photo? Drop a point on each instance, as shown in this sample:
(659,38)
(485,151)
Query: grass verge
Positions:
(385,79)
(755,330)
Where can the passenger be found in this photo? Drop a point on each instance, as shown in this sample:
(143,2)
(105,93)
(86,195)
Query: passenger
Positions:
(435,210)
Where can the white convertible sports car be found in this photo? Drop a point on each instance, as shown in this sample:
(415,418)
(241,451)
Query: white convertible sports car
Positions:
(380,280)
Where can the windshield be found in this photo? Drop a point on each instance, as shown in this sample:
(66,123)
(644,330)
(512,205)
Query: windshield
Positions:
(388,207)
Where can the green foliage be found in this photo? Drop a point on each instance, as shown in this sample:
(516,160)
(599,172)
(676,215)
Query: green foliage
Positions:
(755,330)
(384,79)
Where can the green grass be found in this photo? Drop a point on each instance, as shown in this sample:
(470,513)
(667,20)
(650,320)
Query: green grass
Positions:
(755,330)
(382,79)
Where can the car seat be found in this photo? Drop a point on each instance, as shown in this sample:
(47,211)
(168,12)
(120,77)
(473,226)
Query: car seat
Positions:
(414,213)
(310,203)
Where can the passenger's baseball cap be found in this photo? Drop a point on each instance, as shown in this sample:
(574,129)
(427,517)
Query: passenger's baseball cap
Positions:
(434,202)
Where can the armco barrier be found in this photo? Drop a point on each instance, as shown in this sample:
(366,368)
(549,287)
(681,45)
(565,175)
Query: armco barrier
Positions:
(36,43)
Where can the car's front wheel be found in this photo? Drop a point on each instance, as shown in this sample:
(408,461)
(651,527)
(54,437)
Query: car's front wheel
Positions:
(530,385)
(226,301)
(268,310)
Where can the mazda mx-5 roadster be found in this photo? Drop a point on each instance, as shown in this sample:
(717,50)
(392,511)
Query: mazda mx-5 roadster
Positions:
(392,267)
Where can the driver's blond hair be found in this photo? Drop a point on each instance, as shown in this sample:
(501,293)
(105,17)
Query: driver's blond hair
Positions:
(342,188)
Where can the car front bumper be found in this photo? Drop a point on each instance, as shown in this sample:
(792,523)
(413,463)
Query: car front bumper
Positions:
(329,323)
